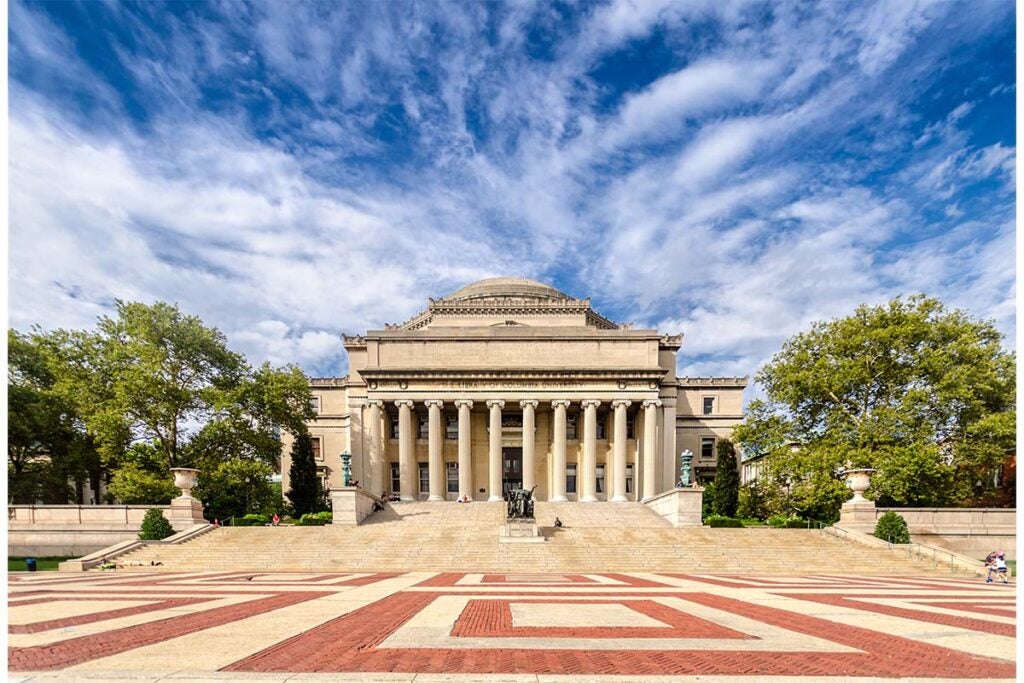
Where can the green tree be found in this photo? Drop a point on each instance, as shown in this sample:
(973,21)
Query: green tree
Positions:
(151,375)
(237,487)
(727,480)
(134,485)
(47,445)
(921,393)
(305,491)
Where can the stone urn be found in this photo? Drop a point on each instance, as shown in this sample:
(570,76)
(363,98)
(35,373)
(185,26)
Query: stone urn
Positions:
(859,481)
(185,479)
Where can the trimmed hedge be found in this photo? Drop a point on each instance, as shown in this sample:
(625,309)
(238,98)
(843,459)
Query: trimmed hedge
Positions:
(251,520)
(315,519)
(723,522)
(783,522)
(892,527)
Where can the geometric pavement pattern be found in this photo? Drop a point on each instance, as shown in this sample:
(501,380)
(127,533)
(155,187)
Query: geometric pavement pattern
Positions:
(387,626)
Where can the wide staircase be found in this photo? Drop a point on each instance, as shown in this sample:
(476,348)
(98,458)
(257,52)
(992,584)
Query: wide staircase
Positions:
(601,537)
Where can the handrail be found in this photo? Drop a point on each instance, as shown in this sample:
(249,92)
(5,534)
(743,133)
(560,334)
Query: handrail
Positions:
(918,550)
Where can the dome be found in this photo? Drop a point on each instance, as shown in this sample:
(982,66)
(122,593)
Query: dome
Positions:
(507,286)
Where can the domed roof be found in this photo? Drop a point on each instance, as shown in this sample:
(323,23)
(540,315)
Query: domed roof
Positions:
(507,286)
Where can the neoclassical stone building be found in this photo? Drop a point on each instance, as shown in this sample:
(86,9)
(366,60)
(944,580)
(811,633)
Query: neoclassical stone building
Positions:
(510,382)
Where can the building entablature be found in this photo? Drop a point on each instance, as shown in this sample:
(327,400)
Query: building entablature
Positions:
(707,382)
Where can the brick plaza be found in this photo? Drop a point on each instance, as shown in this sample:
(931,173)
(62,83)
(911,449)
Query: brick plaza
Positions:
(529,627)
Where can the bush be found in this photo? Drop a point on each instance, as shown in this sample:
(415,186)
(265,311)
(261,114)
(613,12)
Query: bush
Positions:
(784,522)
(893,528)
(155,526)
(251,520)
(727,481)
(721,521)
(315,519)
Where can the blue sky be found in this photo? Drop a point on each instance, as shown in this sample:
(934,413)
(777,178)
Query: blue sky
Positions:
(731,170)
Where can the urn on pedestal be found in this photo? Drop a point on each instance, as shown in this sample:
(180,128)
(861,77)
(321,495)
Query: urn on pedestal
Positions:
(185,479)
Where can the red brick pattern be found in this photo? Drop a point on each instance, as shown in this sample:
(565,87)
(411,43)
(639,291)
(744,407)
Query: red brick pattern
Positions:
(493,618)
(77,650)
(353,642)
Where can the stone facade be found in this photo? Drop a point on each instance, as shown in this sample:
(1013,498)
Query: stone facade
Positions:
(509,381)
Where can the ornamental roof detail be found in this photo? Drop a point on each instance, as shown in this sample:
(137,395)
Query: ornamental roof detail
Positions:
(505,299)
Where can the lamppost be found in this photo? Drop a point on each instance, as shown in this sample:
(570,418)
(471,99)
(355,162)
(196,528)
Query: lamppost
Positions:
(685,458)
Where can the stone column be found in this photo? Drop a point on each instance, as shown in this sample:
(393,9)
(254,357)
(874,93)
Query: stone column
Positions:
(670,469)
(465,452)
(435,463)
(529,439)
(377,479)
(494,456)
(558,457)
(619,452)
(589,473)
(406,451)
(650,448)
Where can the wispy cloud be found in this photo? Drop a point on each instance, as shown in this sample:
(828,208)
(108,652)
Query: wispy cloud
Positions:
(289,171)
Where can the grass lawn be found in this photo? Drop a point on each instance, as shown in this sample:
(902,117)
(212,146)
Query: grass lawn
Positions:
(43,564)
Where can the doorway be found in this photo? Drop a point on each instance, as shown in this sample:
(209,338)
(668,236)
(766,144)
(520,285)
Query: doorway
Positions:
(512,469)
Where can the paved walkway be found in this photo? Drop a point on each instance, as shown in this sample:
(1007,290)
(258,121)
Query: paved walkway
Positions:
(432,626)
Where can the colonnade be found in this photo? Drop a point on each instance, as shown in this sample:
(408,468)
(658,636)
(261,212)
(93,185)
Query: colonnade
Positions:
(587,473)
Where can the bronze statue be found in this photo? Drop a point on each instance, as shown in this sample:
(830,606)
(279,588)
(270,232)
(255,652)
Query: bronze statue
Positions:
(520,503)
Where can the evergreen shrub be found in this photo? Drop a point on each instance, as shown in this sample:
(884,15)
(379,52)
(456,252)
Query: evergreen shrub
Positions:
(892,527)
(315,519)
(721,521)
(155,526)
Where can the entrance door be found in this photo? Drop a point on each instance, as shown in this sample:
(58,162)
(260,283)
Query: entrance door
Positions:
(512,469)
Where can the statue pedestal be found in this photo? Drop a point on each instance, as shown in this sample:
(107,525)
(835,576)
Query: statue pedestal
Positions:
(520,531)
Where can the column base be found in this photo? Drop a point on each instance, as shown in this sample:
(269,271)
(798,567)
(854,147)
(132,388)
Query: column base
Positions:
(406,499)
(620,499)
(558,499)
(588,499)
(435,499)
(495,499)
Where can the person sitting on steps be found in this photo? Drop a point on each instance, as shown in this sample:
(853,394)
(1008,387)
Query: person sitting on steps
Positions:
(998,567)
(558,523)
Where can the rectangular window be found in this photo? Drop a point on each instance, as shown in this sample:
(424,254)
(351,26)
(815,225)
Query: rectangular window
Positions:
(512,420)
(709,405)
(629,477)
(424,426)
(707,448)
(601,422)
(324,474)
(630,426)
(424,478)
(314,403)
(451,428)
(318,453)
(570,428)
(393,426)
(570,477)
(453,477)
(396,481)
(600,478)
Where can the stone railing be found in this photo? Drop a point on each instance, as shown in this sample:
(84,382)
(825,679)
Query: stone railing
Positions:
(680,507)
(73,530)
(111,553)
(973,532)
(937,557)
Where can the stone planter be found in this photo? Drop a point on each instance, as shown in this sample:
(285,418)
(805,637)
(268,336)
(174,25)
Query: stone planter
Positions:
(860,481)
(185,479)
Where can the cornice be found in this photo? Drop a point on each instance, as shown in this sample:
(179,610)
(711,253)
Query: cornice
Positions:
(708,382)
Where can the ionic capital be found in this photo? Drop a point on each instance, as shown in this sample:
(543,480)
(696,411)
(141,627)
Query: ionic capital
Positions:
(491,403)
(463,403)
(621,403)
(590,403)
(561,403)
(404,403)
(652,403)
(375,403)
(434,403)
(528,403)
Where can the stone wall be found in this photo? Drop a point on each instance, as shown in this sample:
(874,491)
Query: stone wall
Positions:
(680,507)
(351,505)
(973,532)
(75,530)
